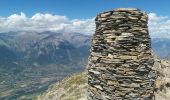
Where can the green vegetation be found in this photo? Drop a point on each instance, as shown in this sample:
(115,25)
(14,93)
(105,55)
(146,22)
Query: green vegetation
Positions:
(33,81)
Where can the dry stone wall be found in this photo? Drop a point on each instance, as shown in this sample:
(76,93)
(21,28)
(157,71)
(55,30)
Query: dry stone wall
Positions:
(120,63)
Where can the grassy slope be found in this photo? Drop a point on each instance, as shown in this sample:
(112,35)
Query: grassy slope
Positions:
(71,88)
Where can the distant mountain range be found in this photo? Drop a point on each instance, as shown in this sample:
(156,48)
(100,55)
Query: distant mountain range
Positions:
(31,61)
(161,47)
(42,48)
(48,47)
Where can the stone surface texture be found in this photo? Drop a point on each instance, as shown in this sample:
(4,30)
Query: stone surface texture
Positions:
(120,65)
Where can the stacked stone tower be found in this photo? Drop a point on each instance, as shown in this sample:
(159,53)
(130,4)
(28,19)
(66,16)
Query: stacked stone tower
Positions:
(120,63)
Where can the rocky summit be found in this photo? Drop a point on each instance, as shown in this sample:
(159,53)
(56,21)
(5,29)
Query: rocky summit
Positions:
(120,65)
(75,86)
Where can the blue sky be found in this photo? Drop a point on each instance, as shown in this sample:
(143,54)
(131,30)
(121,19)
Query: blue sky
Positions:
(77,15)
(75,9)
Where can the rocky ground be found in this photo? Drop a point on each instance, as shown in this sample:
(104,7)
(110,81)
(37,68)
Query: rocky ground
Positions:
(74,87)
(71,88)
(163,80)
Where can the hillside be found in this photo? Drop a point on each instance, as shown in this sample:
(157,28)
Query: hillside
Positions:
(74,87)
(31,61)
(71,88)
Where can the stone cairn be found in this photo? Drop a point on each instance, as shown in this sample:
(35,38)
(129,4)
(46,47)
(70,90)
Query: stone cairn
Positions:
(120,62)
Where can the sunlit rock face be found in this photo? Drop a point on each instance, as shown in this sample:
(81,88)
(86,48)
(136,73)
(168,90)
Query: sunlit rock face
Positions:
(120,62)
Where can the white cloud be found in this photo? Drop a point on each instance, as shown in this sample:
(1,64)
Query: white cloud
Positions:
(159,26)
(46,22)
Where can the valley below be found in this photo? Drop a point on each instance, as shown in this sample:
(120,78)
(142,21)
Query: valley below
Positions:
(25,85)
(30,62)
